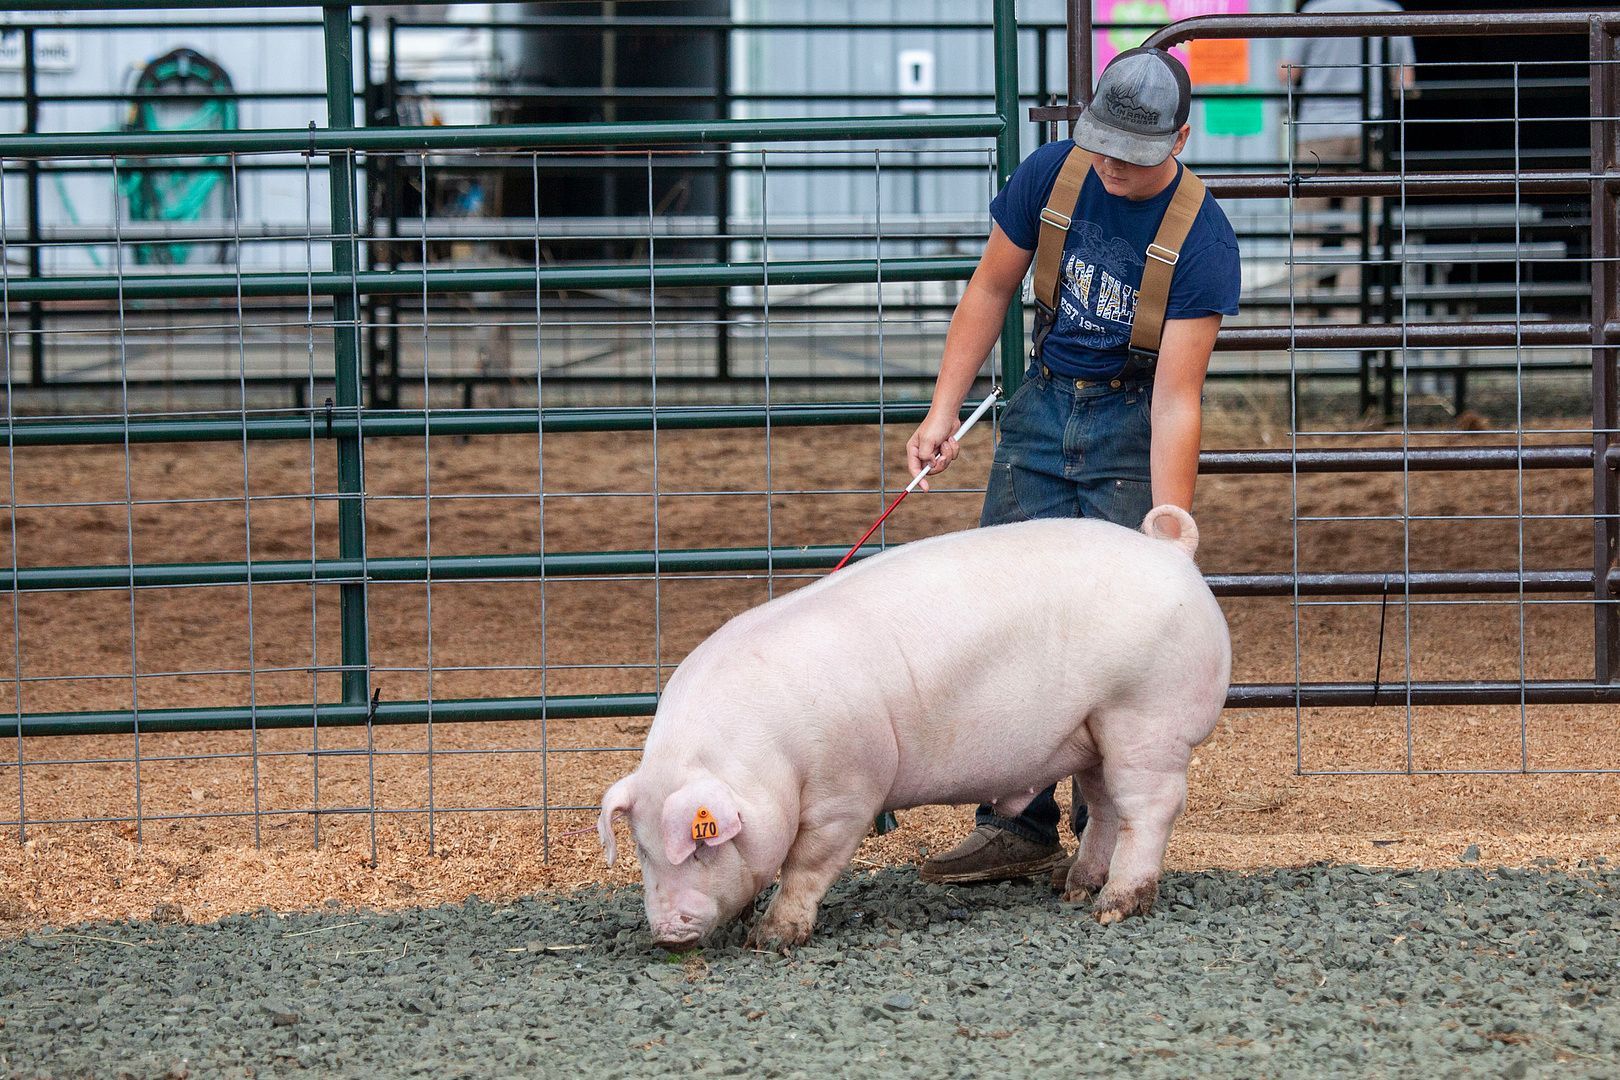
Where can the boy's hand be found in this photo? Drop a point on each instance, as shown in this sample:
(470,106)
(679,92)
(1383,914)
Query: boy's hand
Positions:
(932,444)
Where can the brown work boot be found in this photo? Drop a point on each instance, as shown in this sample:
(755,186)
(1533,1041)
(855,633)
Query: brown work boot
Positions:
(1060,873)
(990,854)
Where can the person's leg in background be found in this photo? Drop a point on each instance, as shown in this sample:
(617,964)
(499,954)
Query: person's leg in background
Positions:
(1311,216)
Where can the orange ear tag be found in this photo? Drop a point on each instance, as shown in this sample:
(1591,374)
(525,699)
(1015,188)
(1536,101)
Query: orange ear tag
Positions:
(704,827)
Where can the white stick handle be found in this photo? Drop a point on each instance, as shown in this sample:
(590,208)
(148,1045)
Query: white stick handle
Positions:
(967,425)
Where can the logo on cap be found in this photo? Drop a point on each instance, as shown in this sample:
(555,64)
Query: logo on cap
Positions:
(1122,101)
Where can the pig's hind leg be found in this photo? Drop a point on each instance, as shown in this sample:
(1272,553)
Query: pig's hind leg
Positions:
(818,855)
(1090,870)
(1148,790)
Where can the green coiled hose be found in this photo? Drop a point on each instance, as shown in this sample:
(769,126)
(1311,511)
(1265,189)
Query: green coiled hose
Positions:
(152,193)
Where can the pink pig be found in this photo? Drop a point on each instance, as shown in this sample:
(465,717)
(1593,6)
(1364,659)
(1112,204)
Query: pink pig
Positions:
(974,666)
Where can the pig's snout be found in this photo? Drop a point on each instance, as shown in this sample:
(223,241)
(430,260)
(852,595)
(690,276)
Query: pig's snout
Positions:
(680,917)
(678,932)
(677,945)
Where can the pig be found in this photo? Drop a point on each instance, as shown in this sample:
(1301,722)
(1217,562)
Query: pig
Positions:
(977,666)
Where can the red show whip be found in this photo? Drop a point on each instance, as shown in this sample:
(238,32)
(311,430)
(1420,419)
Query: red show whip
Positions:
(967,425)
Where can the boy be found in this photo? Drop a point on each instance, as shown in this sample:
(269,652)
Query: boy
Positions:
(1088,435)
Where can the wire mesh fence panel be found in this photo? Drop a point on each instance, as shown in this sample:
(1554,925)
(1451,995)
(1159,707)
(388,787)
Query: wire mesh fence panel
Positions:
(1500,540)
(508,557)
(386,520)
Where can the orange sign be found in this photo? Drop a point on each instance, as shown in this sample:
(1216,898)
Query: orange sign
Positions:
(1218,62)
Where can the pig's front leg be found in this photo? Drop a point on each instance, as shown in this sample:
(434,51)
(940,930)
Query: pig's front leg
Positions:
(1148,797)
(818,855)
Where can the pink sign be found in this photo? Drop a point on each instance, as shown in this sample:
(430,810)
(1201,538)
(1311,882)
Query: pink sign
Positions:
(1144,17)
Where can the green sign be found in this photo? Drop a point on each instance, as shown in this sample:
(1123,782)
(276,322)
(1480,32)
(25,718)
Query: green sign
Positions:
(1234,116)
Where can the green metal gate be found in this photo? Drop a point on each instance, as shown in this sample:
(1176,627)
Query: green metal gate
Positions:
(346,422)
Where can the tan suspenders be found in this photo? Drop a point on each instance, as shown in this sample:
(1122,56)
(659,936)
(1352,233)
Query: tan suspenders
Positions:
(1147,327)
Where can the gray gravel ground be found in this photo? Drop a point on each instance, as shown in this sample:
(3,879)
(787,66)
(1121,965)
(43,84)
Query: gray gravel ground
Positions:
(1316,971)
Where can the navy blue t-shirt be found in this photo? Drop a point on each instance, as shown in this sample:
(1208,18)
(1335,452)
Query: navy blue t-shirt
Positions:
(1103,260)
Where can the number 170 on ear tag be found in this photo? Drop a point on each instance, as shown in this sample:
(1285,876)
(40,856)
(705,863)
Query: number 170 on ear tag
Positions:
(704,827)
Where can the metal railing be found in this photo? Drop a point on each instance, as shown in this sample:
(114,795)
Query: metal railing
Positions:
(344,421)
(1600,31)
(384,377)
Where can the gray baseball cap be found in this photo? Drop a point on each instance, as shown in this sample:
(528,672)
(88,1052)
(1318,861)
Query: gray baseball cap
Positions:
(1142,101)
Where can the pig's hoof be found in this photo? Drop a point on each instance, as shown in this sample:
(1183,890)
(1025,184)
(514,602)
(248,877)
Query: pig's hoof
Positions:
(1113,907)
(773,935)
(1079,886)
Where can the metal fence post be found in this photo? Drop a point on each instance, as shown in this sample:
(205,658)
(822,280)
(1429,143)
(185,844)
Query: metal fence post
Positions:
(385,342)
(722,206)
(1048,132)
(338,29)
(1079,20)
(1604,99)
(1006,54)
(36,314)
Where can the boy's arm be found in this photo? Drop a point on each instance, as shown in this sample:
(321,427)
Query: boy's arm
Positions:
(975,326)
(1178,386)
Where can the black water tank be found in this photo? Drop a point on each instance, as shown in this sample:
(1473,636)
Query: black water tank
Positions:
(664,72)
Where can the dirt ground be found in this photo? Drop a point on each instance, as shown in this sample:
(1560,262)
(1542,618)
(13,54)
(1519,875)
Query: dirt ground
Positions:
(1253,801)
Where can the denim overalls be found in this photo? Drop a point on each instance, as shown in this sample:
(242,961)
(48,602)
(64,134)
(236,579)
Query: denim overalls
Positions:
(1069,448)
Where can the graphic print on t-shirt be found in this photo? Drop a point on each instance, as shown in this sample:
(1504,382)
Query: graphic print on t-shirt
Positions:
(1095,304)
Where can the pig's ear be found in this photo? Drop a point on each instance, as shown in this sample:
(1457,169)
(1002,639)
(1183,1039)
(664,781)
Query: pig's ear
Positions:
(616,801)
(702,810)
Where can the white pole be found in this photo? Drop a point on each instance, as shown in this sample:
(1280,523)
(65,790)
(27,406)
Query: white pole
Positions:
(967,425)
